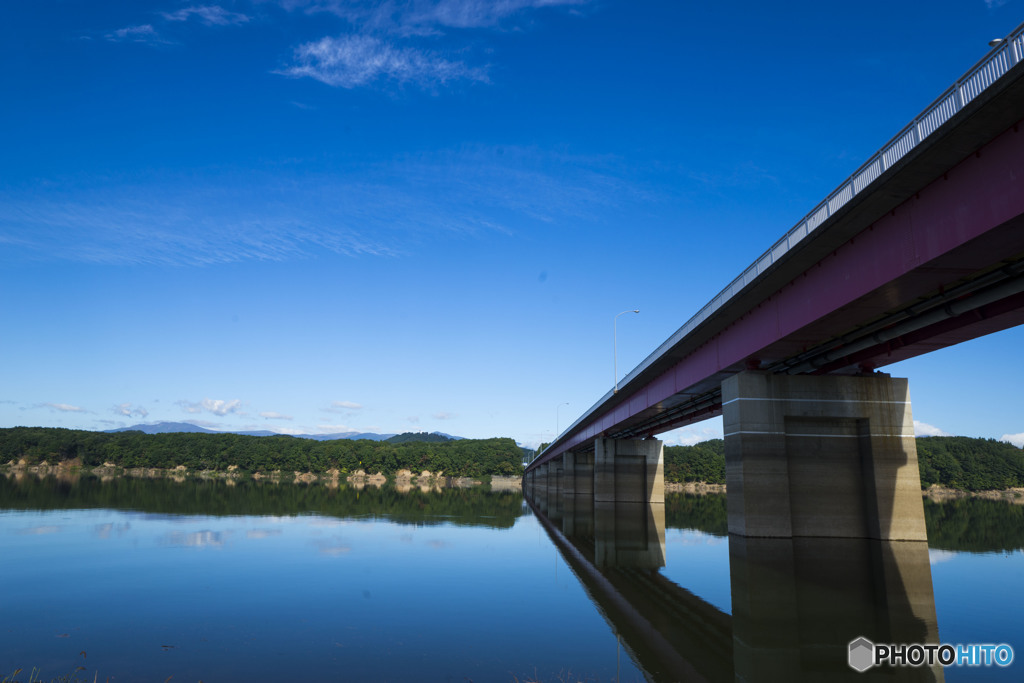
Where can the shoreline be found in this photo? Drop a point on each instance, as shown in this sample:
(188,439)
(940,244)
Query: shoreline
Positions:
(405,481)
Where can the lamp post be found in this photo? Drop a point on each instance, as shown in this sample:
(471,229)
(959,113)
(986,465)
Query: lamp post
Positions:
(557,423)
(615,344)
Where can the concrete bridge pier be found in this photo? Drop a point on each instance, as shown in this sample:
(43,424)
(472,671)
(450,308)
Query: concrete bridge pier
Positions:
(629,471)
(578,473)
(821,456)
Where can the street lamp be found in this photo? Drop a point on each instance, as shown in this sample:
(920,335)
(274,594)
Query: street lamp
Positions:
(557,408)
(615,343)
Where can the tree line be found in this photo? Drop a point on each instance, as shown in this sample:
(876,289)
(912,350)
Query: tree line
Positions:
(955,461)
(218,452)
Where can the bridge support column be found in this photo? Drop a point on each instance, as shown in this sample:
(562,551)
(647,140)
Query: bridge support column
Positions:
(579,473)
(567,482)
(823,456)
(629,471)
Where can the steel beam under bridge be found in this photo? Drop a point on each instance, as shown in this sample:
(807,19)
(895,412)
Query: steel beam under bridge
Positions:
(922,248)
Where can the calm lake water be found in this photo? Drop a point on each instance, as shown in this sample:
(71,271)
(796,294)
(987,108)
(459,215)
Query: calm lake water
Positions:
(138,580)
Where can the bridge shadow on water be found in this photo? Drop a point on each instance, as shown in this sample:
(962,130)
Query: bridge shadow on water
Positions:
(796,603)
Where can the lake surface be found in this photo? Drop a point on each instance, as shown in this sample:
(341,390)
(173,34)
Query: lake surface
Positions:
(138,580)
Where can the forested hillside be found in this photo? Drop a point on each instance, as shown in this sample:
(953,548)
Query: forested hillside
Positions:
(954,461)
(704,461)
(461,458)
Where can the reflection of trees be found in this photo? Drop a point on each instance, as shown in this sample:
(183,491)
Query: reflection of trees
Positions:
(704,513)
(975,525)
(214,497)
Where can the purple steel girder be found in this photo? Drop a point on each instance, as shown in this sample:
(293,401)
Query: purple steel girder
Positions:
(963,220)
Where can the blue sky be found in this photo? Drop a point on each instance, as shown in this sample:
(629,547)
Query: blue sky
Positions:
(417,215)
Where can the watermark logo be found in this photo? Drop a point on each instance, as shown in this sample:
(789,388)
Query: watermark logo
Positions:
(863,654)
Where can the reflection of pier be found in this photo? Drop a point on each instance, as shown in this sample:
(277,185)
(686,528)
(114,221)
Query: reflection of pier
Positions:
(615,551)
(796,602)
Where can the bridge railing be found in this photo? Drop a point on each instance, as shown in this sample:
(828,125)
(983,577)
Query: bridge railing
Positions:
(1007,54)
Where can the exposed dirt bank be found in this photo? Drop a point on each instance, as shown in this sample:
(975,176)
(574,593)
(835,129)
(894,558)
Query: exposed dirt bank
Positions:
(404,480)
(942,494)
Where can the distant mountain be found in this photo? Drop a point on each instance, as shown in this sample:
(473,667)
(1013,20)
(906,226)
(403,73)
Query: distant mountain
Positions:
(346,435)
(165,427)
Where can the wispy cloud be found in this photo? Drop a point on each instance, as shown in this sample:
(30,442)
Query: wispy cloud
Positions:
(688,436)
(211,15)
(383,210)
(270,415)
(925,429)
(128,410)
(143,33)
(472,13)
(424,17)
(363,58)
(209,405)
(343,407)
(444,416)
(334,429)
(63,407)
(1016,439)
(356,60)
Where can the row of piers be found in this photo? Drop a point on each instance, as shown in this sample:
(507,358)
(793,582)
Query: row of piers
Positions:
(806,456)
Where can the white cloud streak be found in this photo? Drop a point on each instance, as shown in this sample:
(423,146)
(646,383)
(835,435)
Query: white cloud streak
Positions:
(270,415)
(343,407)
(925,429)
(128,410)
(210,15)
(1016,439)
(445,416)
(357,60)
(424,17)
(382,210)
(334,429)
(209,405)
(63,407)
(143,33)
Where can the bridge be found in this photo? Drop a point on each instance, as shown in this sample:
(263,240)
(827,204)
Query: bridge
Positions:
(921,248)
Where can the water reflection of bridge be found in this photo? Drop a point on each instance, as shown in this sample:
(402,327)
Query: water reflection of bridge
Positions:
(796,603)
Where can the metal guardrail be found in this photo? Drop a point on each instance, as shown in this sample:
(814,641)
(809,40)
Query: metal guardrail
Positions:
(978,78)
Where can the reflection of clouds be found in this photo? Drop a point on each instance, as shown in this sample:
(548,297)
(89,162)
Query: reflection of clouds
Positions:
(439,544)
(262,533)
(197,539)
(405,538)
(937,556)
(106,530)
(328,522)
(35,530)
(335,550)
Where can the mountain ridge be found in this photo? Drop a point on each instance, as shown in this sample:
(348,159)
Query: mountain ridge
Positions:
(188,427)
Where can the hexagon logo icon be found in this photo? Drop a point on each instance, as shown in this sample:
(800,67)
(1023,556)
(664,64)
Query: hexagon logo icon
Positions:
(862,654)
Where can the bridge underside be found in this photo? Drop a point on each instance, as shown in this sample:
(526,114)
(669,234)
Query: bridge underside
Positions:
(943,266)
